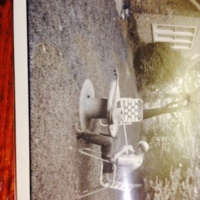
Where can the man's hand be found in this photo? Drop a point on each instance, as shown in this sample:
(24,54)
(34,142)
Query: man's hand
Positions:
(113,159)
(130,148)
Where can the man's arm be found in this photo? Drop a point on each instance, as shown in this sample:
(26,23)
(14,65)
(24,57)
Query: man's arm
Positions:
(125,149)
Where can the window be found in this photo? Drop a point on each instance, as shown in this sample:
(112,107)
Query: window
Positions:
(181,37)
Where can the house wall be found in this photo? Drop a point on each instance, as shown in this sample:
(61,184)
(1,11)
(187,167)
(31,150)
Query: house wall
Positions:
(144,27)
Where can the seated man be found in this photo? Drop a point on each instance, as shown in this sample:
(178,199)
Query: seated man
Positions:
(127,159)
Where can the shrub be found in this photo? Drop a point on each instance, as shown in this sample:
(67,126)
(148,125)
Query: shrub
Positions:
(156,63)
(175,187)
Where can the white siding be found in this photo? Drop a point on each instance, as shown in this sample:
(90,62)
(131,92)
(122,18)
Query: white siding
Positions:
(181,37)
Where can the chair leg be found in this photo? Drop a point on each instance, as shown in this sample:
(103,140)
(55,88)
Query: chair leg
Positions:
(91,191)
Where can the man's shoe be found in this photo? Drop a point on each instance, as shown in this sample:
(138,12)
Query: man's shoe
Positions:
(79,134)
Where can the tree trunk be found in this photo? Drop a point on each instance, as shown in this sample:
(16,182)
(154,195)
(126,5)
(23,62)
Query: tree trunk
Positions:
(148,113)
(169,108)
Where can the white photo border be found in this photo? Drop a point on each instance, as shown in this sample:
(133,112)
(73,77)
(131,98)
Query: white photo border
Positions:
(21,100)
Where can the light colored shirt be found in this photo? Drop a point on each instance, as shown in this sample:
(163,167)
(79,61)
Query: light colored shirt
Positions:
(128,163)
(127,160)
(131,160)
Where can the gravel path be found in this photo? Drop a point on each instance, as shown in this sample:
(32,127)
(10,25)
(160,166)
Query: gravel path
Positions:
(70,41)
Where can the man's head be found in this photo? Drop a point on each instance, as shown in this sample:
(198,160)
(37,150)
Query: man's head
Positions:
(143,147)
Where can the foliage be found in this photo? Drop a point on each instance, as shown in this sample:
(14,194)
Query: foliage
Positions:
(176,187)
(161,157)
(172,173)
(172,165)
(156,63)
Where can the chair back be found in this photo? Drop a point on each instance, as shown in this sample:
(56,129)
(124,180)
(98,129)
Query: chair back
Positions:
(132,110)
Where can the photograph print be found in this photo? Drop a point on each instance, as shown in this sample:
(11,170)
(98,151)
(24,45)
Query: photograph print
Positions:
(114,93)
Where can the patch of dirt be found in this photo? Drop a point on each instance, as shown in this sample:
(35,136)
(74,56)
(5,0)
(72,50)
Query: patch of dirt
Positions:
(70,41)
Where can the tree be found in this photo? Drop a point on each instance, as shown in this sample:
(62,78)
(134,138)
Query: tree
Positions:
(169,108)
(189,100)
